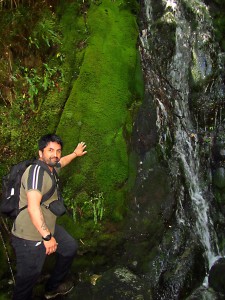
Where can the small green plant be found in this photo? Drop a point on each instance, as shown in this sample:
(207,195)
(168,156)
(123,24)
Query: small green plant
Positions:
(49,74)
(45,33)
(93,206)
(84,206)
(97,203)
(33,81)
(38,82)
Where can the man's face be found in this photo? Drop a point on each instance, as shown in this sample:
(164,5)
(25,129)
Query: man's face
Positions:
(51,154)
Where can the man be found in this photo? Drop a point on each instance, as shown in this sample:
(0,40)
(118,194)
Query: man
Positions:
(35,233)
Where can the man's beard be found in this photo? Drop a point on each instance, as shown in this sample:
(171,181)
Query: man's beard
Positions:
(51,163)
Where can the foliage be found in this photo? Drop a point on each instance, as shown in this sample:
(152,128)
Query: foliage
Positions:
(217,9)
(45,34)
(133,5)
(37,83)
(28,76)
(84,206)
(79,79)
(14,4)
(19,51)
(93,102)
(97,203)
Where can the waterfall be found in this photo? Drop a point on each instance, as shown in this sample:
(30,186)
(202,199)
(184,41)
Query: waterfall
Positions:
(185,143)
(187,152)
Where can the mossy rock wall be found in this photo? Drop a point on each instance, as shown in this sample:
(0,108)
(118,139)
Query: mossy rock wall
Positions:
(98,110)
(96,103)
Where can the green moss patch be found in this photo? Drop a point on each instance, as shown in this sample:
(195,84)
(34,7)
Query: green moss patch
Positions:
(97,109)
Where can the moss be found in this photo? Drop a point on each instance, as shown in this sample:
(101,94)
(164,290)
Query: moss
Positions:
(96,110)
(96,102)
(217,9)
(4,297)
(21,128)
(219,195)
(69,225)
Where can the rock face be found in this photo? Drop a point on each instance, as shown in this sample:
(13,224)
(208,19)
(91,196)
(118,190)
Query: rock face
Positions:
(217,276)
(121,283)
(118,283)
(179,187)
(203,293)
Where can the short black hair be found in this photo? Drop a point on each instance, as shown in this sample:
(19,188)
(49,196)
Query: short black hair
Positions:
(46,139)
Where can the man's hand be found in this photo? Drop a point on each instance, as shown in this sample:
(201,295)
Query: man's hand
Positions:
(79,150)
(50,246)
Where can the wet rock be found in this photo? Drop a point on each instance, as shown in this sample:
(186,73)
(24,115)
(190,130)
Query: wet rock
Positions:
(217,276)
(120,283)
(179,274)
(203,293)
(219,178)
(218,149)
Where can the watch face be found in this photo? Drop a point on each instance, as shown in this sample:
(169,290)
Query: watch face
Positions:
(47,237)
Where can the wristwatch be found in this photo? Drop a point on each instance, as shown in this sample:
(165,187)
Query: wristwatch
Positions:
(47,237)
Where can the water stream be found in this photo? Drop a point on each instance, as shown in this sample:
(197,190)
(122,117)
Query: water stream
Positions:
(186,144)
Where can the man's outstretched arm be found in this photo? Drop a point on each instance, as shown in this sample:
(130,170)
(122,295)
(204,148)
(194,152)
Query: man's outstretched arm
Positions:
(78,151)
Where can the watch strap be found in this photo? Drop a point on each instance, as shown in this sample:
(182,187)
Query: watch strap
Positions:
(47,237)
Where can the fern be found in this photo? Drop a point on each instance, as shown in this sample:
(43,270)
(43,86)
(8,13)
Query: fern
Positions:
(45,33)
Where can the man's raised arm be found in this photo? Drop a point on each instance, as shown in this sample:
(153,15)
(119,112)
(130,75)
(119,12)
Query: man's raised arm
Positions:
(79,151)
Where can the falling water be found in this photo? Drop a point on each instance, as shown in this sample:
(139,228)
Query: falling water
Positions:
(186,148)
(186,144)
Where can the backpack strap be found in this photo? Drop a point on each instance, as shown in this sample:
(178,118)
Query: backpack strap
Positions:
(55,179)
(55,182)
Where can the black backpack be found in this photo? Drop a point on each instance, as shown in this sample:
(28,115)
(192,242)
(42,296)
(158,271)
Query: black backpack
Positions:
(11,183)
